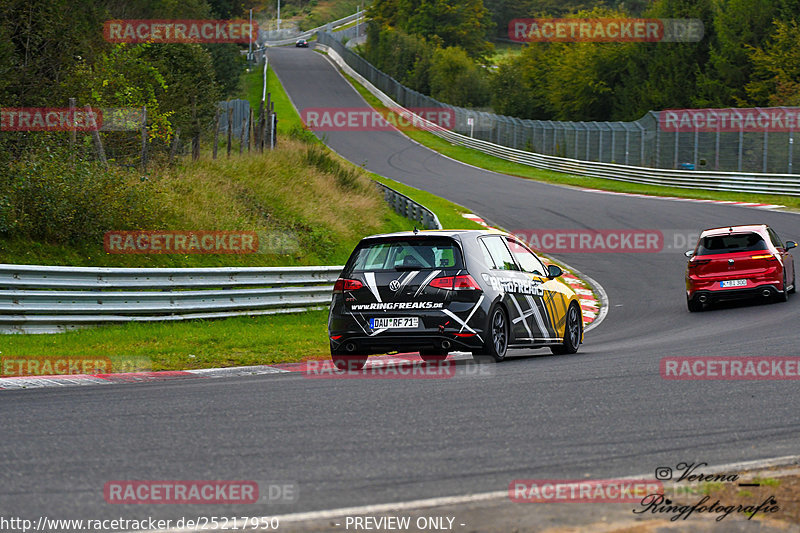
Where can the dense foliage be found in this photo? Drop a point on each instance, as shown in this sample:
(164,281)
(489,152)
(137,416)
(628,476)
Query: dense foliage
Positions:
(54,50)
(748,57)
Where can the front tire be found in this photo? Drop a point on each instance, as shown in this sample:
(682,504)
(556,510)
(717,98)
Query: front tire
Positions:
(572,332)
(495,346)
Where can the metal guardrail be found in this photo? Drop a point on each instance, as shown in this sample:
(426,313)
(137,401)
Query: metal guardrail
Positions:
(749,182)
(309,33)
(46,299)
(410,209)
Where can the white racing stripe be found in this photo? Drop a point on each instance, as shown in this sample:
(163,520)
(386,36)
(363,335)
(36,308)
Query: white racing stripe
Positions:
(372,285)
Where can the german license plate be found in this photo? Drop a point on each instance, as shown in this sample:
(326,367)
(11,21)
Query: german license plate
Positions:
(394,323)
(733,283)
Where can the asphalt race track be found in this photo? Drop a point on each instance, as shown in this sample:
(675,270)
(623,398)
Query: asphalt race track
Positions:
(602,413)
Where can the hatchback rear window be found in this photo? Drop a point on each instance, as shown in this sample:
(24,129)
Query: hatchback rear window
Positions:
(408,254)
(726,244)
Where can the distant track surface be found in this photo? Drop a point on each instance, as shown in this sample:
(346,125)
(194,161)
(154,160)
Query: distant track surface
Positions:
(604,412)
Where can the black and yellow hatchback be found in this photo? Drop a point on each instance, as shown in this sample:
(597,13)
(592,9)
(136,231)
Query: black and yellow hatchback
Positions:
(481,291)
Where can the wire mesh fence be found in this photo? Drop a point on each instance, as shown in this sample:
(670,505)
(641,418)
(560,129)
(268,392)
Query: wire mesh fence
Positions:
(733,140)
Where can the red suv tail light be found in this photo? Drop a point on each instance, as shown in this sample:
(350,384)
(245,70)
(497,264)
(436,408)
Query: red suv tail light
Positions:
(769,257)
(342,285)
(456,283)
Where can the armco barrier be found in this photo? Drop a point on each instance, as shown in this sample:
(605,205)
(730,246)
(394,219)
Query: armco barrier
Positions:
(748,182)
(309,33)
(410,209)
(47,299)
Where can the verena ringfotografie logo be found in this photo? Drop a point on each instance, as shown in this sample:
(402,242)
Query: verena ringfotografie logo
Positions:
(199,492)
(582,491)
(605,30)
(180,31)
(363,119)
(730,368)
(770,119)
(181,242)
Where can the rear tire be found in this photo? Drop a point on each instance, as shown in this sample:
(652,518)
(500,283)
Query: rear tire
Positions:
(430,355)
(349,363)
(572,332)
(784,294)
(693,305)
(495,346)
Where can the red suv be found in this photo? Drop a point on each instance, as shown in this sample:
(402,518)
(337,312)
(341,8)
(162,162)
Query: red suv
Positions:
(739,262)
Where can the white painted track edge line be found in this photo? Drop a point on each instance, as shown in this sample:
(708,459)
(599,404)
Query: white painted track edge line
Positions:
(483,496)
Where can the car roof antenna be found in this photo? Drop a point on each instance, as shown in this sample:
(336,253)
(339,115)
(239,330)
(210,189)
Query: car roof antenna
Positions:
(415,230)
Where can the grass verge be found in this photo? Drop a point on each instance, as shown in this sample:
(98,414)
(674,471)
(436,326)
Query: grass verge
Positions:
(240,341)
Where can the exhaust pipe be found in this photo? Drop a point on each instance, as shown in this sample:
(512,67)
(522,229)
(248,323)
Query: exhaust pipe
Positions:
(445,345)
(702,298)
(350,347)
(766,293)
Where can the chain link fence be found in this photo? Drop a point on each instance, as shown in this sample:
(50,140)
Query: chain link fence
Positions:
(645,142)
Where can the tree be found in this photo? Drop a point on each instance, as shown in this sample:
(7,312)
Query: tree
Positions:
(457,80)
(776,68)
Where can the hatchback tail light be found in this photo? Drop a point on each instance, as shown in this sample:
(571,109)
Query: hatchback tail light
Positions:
(764,256)
(694,263)
(342,285)
(456,283)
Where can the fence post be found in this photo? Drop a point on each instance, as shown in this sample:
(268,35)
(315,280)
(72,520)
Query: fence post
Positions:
(230,128)
(174,148)
(250,130)
(98,142)
(72,130)
(144,139)
(216,135)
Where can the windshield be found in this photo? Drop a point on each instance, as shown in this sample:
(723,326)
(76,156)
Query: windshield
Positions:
(726,244)
(411,254)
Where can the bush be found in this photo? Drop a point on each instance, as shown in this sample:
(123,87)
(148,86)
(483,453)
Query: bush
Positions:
(47,198)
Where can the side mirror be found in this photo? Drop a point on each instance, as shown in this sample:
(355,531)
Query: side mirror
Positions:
(688,253)
(790,244)
(553,271)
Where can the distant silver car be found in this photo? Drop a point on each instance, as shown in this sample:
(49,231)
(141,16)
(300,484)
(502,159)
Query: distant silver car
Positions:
(301,43)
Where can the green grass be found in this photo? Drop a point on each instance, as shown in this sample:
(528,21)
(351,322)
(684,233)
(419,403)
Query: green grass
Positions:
(238,341)
(252,87)
(495,164)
